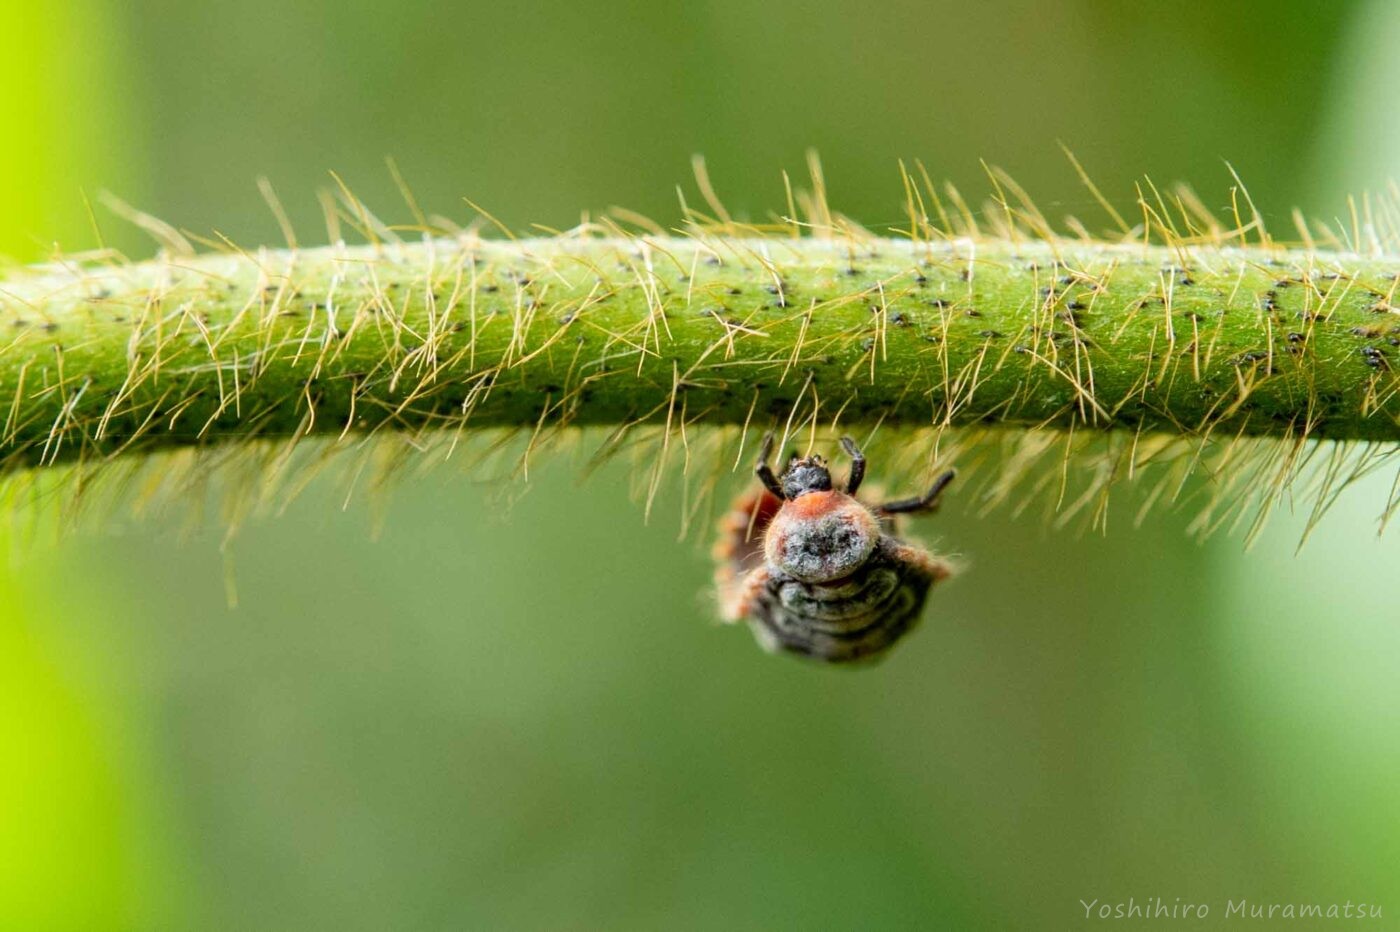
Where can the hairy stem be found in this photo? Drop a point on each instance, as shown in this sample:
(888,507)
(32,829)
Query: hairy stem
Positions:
(98,359)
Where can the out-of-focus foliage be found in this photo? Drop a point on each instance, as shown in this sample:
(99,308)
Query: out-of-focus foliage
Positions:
(520,715)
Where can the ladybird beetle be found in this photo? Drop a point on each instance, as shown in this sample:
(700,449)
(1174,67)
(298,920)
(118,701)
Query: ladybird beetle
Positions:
(816,572)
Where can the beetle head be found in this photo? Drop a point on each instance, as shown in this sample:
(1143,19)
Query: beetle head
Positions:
(808,474)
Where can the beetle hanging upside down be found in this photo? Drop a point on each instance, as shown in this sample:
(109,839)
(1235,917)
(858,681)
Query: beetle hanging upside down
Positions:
(818,573)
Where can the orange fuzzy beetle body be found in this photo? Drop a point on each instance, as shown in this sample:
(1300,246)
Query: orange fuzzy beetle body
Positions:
(818,573)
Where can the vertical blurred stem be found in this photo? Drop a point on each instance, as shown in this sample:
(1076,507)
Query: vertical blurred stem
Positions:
(68,120)
(67,859)
(1310,680)
(1359,149)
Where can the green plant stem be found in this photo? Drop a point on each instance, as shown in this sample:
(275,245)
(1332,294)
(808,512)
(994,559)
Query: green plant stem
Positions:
(97,359)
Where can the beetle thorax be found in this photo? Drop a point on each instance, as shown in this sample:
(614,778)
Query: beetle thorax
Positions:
(821,536)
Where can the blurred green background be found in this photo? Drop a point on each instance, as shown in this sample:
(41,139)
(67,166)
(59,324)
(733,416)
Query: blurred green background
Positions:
(523,717)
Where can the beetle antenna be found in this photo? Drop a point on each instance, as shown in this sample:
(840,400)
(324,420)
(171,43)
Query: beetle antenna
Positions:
(764,471)
(857,465)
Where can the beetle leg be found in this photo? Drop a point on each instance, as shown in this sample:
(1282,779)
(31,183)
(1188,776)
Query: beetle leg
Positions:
(857,465)
(740,602)
(926,502)
(920,559)
(764,471)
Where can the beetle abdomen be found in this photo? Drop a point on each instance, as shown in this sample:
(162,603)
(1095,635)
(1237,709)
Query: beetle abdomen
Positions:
(856,618)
